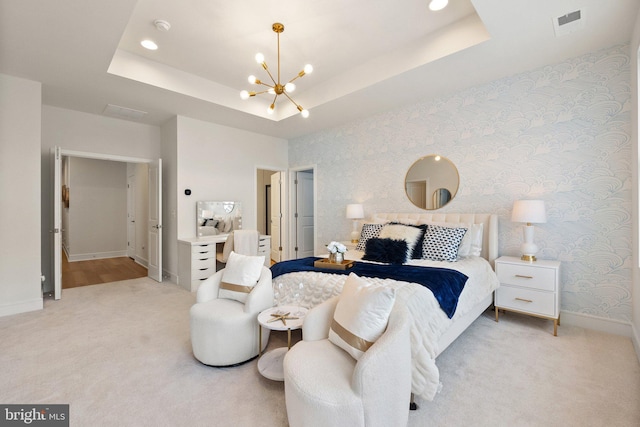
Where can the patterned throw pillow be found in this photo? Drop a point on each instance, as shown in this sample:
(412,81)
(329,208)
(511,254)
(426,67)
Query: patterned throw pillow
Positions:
(368,231)
(441,243)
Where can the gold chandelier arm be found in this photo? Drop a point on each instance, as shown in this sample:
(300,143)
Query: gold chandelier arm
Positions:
(290,99)
(269,72)
(300,74)
(259,93)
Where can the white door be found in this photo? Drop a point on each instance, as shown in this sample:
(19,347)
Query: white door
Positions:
(131,216)
(304,246)
(57,223)
(155,221)
(417,193)
(276,215)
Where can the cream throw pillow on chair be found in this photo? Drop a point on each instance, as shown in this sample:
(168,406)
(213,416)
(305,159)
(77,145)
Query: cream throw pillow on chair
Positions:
(361,315)
(239,276)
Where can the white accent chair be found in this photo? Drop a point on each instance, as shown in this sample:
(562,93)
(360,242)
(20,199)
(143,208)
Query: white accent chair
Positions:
(224,331)
(325,386)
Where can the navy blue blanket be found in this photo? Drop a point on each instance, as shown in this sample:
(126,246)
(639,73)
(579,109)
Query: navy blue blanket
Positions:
(445,284)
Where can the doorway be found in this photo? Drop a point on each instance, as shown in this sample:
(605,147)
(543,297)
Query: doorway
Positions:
(303,215)
(97,208)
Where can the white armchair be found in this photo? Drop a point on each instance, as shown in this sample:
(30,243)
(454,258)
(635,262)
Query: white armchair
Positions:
(325,386)
(225,331)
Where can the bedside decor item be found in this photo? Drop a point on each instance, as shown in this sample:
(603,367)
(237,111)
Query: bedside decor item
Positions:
(355,212)
(531,212)
(277,88)
(336,252)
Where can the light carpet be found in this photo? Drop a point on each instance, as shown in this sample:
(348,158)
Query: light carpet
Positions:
(120,355)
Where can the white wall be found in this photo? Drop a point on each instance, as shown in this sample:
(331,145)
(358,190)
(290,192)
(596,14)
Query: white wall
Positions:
(76,131)
(20,111)
(97,209)
(216,163)
(561,133)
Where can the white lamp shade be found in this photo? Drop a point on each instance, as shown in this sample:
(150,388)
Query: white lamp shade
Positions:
(529,211)
(355,211)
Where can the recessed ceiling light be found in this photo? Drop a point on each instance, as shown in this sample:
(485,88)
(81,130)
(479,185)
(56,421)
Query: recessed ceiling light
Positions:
(149,44)
(436,5)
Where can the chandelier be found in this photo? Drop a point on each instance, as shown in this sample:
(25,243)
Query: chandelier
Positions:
(277,88)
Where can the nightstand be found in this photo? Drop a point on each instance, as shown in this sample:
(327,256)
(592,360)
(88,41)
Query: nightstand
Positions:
(531,288)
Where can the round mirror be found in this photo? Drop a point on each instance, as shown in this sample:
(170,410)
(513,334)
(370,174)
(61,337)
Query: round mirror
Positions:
(431,182)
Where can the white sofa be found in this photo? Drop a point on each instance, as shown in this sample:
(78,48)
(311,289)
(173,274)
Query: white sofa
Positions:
(325,386)
(224,331)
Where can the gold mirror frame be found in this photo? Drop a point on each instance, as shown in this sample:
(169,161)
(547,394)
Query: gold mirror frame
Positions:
(431,182)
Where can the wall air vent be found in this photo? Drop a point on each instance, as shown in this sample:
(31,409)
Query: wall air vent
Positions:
(568,23)
(123,112)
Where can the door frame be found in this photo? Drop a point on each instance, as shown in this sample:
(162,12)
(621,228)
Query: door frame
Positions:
(58,153)
(291,232)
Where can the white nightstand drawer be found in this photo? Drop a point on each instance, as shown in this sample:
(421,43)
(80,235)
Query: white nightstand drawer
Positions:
(532,277)
(526,300)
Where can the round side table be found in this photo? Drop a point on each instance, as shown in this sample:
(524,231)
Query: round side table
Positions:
(282,318)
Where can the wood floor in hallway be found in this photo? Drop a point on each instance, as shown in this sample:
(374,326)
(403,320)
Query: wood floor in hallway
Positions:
(93,272)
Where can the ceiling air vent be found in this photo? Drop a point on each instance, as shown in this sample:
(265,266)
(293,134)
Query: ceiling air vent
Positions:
(123,112)
(568,23)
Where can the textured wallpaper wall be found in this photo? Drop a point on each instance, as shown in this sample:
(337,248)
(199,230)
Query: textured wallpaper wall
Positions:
(559,133)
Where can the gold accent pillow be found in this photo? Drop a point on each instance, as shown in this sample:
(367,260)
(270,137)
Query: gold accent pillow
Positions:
(239,276)
(361,315)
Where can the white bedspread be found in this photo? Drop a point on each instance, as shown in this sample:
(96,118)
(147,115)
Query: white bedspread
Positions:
(428,320)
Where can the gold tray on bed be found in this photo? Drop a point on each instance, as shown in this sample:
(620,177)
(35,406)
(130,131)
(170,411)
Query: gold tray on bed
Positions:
(324,263)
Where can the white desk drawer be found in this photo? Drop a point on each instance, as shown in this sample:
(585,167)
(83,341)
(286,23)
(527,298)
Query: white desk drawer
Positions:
(205,262)
(527,276)
(527,300)
(203,273)
(197,250)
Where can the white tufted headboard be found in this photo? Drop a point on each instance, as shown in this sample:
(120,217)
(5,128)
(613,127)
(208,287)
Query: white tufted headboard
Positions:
(489,221)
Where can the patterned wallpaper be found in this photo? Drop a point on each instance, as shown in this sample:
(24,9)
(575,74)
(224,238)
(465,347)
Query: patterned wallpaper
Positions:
(560,133)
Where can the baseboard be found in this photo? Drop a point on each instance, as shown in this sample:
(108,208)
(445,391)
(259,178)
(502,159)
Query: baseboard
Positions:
(97,255)
(143,262)
(21,307)
(173,278)
(595,323)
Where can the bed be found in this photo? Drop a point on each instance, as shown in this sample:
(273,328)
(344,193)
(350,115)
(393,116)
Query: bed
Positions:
(433,330)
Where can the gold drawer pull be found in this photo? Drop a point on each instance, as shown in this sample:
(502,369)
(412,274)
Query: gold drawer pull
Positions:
(524,277)
(523,300)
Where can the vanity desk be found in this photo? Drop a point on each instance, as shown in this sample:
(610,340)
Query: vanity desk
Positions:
(197,258)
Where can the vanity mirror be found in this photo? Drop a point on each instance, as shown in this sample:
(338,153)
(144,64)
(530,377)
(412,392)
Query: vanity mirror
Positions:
(213,218)
(431,182)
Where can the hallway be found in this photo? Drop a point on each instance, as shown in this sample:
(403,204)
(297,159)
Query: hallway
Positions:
(93,272)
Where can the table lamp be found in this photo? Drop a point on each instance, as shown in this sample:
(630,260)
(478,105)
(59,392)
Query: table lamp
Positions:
(355,212)
(530,212)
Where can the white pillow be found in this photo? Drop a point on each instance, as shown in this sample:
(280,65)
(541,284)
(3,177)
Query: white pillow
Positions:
(472,242)
(239,276)
(361,315)
(408,233)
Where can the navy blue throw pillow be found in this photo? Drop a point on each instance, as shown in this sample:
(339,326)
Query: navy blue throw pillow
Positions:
(389,251)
